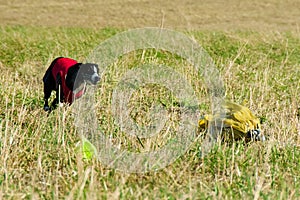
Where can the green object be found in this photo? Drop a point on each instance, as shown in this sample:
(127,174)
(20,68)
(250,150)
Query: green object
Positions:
(87,148)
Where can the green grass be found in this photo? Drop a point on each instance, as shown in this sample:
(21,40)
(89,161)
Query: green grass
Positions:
(37,152)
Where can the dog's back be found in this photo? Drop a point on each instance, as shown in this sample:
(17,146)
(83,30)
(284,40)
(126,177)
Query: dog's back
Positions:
(48,74)
(61,66)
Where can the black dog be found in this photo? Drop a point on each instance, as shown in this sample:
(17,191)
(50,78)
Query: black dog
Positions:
(61,76)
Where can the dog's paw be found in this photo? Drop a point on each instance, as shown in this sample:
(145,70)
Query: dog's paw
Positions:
(46,108)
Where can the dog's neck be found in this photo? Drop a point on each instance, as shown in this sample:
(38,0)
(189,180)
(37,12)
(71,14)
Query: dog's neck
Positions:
(79,90)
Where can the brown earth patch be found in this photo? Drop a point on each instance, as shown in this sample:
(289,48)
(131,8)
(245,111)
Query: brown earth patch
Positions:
(258,15)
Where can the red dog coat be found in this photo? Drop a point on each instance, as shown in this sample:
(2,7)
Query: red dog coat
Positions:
(61,67)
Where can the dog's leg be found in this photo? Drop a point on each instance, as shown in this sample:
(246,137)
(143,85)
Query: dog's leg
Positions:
(47,94)
(59,93)
(56,100)
(53,104)
(49,86)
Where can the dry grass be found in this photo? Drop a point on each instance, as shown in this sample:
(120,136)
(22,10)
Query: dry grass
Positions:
(37,152)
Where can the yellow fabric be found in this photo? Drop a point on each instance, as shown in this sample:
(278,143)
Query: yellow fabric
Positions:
(237,117)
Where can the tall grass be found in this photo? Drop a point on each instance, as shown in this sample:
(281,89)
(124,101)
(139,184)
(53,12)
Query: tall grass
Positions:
(37,152)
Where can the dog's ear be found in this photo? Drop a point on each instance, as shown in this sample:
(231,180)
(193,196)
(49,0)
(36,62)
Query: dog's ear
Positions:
(96,65)
(72,75)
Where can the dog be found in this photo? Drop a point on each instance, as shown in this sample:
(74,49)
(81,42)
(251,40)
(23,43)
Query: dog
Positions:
(60,77)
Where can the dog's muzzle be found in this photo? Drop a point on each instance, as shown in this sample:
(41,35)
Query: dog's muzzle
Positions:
(95,79)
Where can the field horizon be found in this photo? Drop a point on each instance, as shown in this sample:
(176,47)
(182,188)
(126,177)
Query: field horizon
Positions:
(266,15)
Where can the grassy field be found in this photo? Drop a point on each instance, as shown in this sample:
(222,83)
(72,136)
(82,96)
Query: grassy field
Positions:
(261,65)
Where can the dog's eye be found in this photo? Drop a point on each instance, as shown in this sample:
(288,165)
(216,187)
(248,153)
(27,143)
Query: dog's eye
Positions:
(90,71)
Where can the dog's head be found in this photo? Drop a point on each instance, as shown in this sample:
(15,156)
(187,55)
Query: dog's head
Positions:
(82,73)
(89,73)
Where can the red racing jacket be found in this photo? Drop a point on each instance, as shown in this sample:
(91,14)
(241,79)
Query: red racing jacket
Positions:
(61,67)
